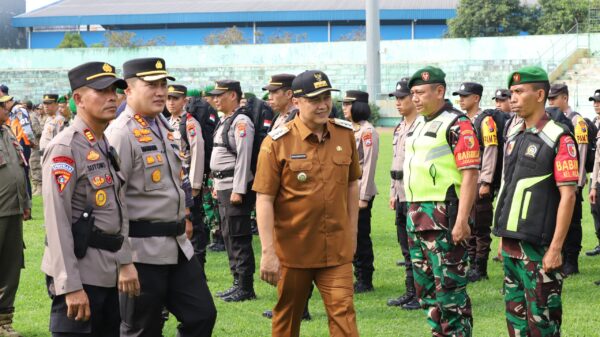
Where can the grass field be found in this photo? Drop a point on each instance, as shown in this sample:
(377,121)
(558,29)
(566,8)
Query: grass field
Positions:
(581,298)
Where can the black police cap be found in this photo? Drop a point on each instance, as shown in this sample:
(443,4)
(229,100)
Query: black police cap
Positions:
(96,75)
(311,83)
(501,94)
(557,89)
(402,89)
(50,98)
(356,96)
(280,81)
(223,86)
(177,90)
(596,97)
(148,69)
(469,88)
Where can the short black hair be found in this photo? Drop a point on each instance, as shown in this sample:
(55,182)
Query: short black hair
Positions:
(544,86)
(360,111)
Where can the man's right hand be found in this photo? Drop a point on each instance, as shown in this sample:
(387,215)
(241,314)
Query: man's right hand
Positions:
(78,305)
(392,203)
(592,196)
(270,268)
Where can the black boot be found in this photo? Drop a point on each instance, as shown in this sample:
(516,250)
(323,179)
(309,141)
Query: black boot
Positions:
(409,295)
(231,290)
(482,268)
(570,265)
(594,251)
(244,292)
(364,282)
(473,273)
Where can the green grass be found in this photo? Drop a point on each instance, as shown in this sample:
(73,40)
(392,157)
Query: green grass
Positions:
(580,296)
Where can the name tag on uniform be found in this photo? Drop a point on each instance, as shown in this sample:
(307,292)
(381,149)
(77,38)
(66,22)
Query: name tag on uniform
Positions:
(149,148)
(299,156)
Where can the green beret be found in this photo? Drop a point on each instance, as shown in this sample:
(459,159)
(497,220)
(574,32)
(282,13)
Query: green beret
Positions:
(427,75)
(248,95)
(207,90)
(265,97)
(72,105)
(193,93)
(120,91)
(531,74)
(61,99)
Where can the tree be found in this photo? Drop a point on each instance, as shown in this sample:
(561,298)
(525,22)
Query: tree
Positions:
(287,37)
(559,16)
(475,18)
(359,34)
(226,37)
(126,39)
(72,40)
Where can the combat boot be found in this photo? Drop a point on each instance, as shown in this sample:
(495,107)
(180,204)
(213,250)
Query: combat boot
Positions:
(571,265)
(240,295)
(473,273)
(413,304)
(364,283)
(594,251)
(6,329)
(231,290)
(408,296)
(482,268)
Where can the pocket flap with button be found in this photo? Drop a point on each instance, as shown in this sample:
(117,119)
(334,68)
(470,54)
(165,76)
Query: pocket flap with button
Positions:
(304,165)
(100,180)
(342,160)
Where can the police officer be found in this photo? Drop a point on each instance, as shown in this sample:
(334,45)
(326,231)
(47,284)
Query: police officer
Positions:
(534,208)
(307,207)
(21,127)
(86,224)
(170,275)
(230,166)
(595,207)
(280,98)
(356,109)
(15,206)
(55,122)
(440,168)
(559,97)
(482,213)
(502,100)
(37,125)
(408,111)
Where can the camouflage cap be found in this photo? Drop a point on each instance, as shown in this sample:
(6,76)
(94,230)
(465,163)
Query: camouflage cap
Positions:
(427,75)
(529,74)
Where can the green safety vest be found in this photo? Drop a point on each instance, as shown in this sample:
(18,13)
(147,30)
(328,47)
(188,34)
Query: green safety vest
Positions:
(429,166)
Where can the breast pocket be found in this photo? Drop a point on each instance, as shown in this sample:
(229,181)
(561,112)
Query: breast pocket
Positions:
(341,168)
(301,175)
(101,183)
(153,171)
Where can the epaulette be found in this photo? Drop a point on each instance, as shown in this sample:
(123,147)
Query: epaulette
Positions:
(65,137)
(343,123)
(121,121)
(279,132)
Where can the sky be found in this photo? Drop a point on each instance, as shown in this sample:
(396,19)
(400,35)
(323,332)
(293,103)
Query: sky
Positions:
(35,4)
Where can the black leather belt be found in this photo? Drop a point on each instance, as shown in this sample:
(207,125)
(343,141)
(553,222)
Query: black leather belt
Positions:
(397,175)
(105,241)
(223,174)
(146,229)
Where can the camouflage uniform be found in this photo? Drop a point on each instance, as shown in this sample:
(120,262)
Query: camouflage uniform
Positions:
(532,296)
(440,270)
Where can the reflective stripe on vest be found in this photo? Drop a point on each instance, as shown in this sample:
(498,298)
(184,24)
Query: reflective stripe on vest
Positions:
(429,166)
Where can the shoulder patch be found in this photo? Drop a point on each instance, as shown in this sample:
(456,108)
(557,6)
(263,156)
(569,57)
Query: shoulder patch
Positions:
(581,132)
(343,123)
(279,132)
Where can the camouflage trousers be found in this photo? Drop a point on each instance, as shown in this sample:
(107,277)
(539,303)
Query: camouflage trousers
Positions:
(210,205)
(532,299)
(440,272)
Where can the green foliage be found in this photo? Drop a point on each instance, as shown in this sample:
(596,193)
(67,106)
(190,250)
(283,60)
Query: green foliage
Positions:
(287,37)
(375,114)
(476,18)
(116,39)
(72,40)
(226,37)
(359,34)
(559,16)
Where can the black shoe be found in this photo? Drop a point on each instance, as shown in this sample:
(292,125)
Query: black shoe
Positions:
(413,304)
(570,269)
(305,316)
(398,302)
(597,283)
(473,274)
(240,295)
(228,292)
(216,247)
(594,251)
(401,263)
(362,287)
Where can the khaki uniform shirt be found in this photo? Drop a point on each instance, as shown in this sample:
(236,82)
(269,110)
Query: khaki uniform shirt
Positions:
(195,152)
(77,174)
(37,126)
(367,144)
(241,137)
(309,180)
(13,189)
(399,143)
(151,165)
(489,158)
(582,138)
(53,126)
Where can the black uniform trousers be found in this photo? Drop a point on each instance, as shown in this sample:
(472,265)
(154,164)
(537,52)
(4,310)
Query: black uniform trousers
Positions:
(104,308)
(401,214)
(200,235)
(363,258)
(482,215)
(237,235)
(572,245)
(595,208)
(181,288)
(11,260)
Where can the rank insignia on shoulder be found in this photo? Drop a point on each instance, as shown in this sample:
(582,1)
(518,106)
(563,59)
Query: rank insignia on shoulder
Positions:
(89,135)
(279,132)
(93,155)
(343,123)
(140,120)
